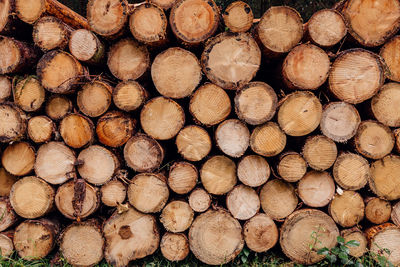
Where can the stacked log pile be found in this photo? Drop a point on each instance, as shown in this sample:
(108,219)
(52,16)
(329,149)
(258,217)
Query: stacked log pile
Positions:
(175,125)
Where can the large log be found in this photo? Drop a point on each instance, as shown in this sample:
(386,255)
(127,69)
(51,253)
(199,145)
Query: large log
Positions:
(129,95)
(6,245)
(389,53)
(57,106)
(347,209)
(384,105)
(268,140)
(41,129)
(378,210)
(292,166)
(76,130)
(320,152)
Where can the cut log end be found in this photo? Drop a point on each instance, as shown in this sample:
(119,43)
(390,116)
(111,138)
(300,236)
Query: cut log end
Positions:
(199,200)
(384,105)
(268,140)
(6,246)
(9,217)
(378,210)
(232,137)
(115,128)
(29,94)
(58,106)
(292,167)
(316,189)
(50,33)
(193,143)
(177,216)
(86,46)
(174,247)
(129,95)
(253,170)
(385,175)
(238,17)
(351,171)
(385,237)
(395,214)
(30,11)
(41,129)
(243,202)
(94,98)
(12,123)
(347,209)
(18,158)
(164,4)
(182,177)
(260,233)
(113,193)
(76,130)
(357,235)
(6,182)
(390,55)
(5,88)
(320,152)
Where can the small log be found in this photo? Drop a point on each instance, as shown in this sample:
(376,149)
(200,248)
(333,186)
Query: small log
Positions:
(351,171)
(164,4)
(174,247)
(253,170)
(8,217)
(389,53)
(18,158)
(384,105)
(94,98)
(395,215)
(148,192)
(278,199)
(396,133)
(292,167)
(129,236)
(218,175)
(193,143)
(143,154)
(57,106)
(129,95)
(182,177)
(268,140)
(6,245)
(31,197)
(385,177)
(176,72)
(210,104)
(177,216)
(238,17)
(55,162)
(5,88)
(300,113)
(320,152)
(215,237)
(232,137)
(7,8)
(29,94)
(115,128)
(199,200)
(82,243)
(374,140)
(41,129)
(6,182)
(13,123)
(51,33)
(86,46)
(76,130)
(162,118)
(316,189)
(356,75)
(385,238)
(299,232)
(34,239)
(378,210)
(357,235)
(231,60)
(347,209)
(127,59)
(260,233)
(30,11)
(113,193)
(243,202)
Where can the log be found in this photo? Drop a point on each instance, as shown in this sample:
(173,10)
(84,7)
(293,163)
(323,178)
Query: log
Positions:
(115,128)
(113,193)
(6,245)
(34,239)
(260,233)
(210,104)
(82,243)
(320,152)
(57,106)
(193,143)
(6,182)
(199,200)
(18,158)
(194,21)
(292,167)
(383,239)
(162,118)
(279,30)
(87,47)
(55,162)
(300,232)
(94,98)
(253,170)
(76,130)
(238,17)
(389,53)
(164,4)
(306,67)
(51,33)
(143,154)
(232,137)
(29,94)
(373,139)
(384,105)
(243,202)
(129,236)
(129,95)
(12,123)
(41,129)
(231,60)
(363,20)
(278,199)
(378,210)
(218,175)
(174,247)
(8,216)
(127,59)
(268,140)
(396,133)
(176,72)
(340,121)
(351,171)
(182,177)
(5,88)
(6,15)
(357,235)
(326,28)
(256,103)
(356,75)
(300,113)
(347,209)
(177,216)
(395,214)
(385,177)
(148,192)
(316,189)
(215,237)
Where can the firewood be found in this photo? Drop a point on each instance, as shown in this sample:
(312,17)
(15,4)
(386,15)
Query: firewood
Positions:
(320,152)
(6,18)
(351,171)
(199,200)
(182,177)
(218,175)
(76,130)
(243,202)
(357,235)
(193,143)
(57,106)
(378,210)
(298,233)
(5,88)
(215,237)
(176,72)
(86,46)
(6,182)
(18,158)
(148,192)
(395,215)
(253,170)
(41,129)
(396,133)
(347,209)
(210,104)
(268,140)
(113,193)
(300,113)
(13,123)
(130,235)
(231,60)
(316,189)
(232,137)
(94,98)
(174,247)
(31,197)
(29,94)
(385,236)
(238,17)
(260,233)
(8,217)
(385,176)
(129,95)
(278,199)
(177,216)
(384,105)
(292,167)
(390,55)
(115,128)
(51,33)
(164,4)
(6,245)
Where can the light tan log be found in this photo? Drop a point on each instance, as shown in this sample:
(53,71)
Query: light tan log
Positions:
(6,245)
(278,199)
(76,130)
(113,193)
(199,200)
(385,177)
(5,88)
(347,209)
(57,106)
(389,53)
(357,235)
(253,170)
(232,137)
(182,177)
(193,143)
(292,166)
(12,123)
(8,216)
(176,72)
(373,139)
(378,210)
(300,113)
(115,128)
(177,216)
(243,202)
(396,133)
(395,215)
(6,182)
(316,189)
(218,175)
(210,104)
(320,152)
(231,60)
(51,33)
(238,17)
(174,247)
(29,94)
(94,98)
(385,237)
(41,129)
(86,46)
(351,171)
(129,95)
(6,17)
(260,233)
(18,158)
(143,154)
(164,4)
(384,105)
(268,140)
